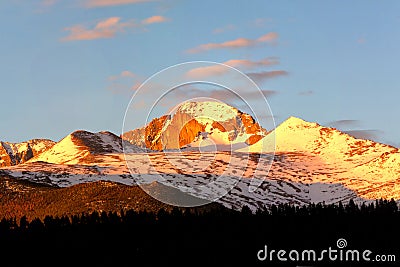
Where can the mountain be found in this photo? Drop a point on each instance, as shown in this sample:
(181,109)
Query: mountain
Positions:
(194,121)
(311,163)
(327,155)
(297,135)
(82,147)
(16,153)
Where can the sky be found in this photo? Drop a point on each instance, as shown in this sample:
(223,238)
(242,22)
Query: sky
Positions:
(75,64)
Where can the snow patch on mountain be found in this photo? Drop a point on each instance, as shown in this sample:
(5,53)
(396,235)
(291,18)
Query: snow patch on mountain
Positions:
(17,153)
(192,122)
(83,147)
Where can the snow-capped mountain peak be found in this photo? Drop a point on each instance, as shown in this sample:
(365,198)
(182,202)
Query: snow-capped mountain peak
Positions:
(221,123)
(217,111)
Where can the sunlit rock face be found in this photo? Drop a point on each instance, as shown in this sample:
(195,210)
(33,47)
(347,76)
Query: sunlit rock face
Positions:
(217,121)
(16,153)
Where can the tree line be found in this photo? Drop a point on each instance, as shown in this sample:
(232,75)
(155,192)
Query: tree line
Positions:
(208,236)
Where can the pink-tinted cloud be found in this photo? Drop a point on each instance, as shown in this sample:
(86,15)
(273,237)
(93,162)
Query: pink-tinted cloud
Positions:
(361,40)
(105,3)
(107,28)
(269,37)
(123,74)
(226,28)
(260,77)
(48,3)
(124,82)
(237,43)
(202,72)
(154,19)
(45,5)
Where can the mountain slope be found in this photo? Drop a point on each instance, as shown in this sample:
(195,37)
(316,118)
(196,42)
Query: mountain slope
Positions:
(297,135)
(16,153)
(21,198)
(326,155)
(82,147)
(218,122)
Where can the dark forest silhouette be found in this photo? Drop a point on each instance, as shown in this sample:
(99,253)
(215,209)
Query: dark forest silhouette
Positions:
(188,236)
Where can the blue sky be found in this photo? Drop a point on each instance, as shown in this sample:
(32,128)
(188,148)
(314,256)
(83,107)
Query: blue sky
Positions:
(68,65)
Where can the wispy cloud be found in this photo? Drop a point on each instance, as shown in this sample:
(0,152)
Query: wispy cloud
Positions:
(188,92)
(262,76)
(124,82)
(348,126)
(202,72)
(365,134)
(123,74)
(105,3)
(45,5)
(103,29)
(344,124)
(361,40)
(223,29)
(237,43)
(261,22)
(48,3)
(306,93)
(154,19)
(228,96)
(107,28)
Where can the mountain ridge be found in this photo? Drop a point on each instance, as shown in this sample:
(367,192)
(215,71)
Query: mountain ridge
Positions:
(298,162)
(16,153)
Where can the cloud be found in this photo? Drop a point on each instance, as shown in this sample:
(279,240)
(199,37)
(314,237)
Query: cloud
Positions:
(236,63)
(106,28)
(361,40)
(261,22)
(125,73)
(260,77)
(365,134)
(154,19)
(45,5)
(306,93)
(48,3)
(124,82)
(226,28)
(105,3)
(223,94)
(255,94)
(347,126)
(237,43)
(187,92)
(344,124)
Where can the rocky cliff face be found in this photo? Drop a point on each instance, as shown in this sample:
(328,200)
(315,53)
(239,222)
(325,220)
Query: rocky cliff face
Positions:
(16,153)
(218,121)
